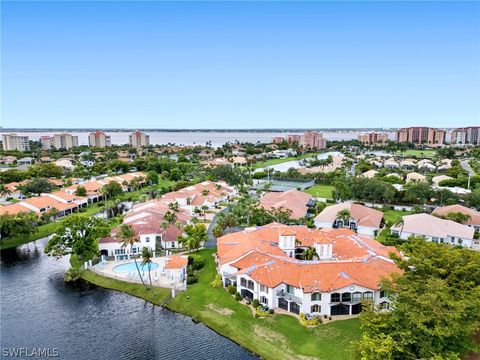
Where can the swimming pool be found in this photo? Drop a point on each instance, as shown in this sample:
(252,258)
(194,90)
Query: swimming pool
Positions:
(128,267)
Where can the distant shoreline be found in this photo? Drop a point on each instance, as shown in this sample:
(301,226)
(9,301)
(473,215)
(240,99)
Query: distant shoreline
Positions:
(266,130)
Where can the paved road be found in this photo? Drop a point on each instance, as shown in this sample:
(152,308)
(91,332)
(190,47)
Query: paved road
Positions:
(466,166)
(212,240)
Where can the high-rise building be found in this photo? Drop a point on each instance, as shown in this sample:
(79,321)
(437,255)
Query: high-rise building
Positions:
(15,142)
(466,136)
(421,136)
(314,140)
(46,142)
(311,140)
(373,138)
(99,139)
(64,141)
(138,139)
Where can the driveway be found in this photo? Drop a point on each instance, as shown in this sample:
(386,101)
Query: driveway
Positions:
(466,166)
(212,240)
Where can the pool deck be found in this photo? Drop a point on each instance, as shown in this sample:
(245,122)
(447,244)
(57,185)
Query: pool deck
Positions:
(160,277)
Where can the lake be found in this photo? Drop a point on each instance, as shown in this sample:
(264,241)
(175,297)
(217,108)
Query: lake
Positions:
(83,321)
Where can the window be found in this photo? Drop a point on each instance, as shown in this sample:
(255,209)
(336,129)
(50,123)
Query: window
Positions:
(383,293)
(250,284)
(357,296)
(134,250)
(120,251)
(335,297)
(384,305)
(346,297)
(315,309)
(243,282)
(263,300)
(290,289)
(147,239)
(264,289)
(368,295)
(173,244)
(316,296)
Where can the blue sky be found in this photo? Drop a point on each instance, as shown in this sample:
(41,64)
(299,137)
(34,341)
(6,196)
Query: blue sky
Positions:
(239,64)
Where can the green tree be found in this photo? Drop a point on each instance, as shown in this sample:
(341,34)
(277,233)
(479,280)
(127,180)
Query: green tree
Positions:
(129,238)
(194,236)
(152,178)
(111,190)
(77,235)
(147,261)
(81,191)
(458,217)
(473,199)
(21,224)
(309,253)
(435,309)
(217,231)
(418,192)
(37,186)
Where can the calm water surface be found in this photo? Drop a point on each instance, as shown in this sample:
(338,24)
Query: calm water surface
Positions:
(87,322)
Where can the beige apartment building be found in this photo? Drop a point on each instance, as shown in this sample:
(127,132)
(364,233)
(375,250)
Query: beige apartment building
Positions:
(466,136)
(59,141)
(373,138)
(138,139)
(421,135)
(99,139)
(15,142)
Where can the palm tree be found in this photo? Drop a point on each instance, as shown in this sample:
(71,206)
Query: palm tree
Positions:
(344,215)
(129,237)
(4,191)
(174,206)
(204,210)
(170,217)
(309,253)
(147,260)
(205,192)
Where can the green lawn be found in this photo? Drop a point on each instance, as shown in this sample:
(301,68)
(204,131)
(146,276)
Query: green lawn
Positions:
(392,216)
(154,295)
(271,162)
(319,190)
(277,337)
(418,153)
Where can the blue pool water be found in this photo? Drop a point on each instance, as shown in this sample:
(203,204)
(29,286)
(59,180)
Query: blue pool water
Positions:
(131,267)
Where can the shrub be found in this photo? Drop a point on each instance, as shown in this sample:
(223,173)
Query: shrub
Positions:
(217,282)
(71,275)
(271,311)
(248,302)
(313,321)
(232,289)
(195,261)
(192,280)
(238,296)
(255,303)
(259,312)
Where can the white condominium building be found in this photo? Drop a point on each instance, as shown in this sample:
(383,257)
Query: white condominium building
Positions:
(15,142)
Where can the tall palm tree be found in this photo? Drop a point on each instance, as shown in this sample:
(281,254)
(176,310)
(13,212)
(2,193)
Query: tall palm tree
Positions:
(174,206)
(204,210)
(147,260)
(129,237)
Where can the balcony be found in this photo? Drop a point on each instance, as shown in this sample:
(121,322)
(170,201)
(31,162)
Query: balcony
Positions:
(289,297)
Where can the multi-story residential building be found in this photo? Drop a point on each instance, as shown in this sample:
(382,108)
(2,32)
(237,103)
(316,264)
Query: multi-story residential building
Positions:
(138,139)
(466,136)
(59,141)
(421,136)
(311,140)
(314,140)
(373,138)
(15,142)
(266,264)
(99,139)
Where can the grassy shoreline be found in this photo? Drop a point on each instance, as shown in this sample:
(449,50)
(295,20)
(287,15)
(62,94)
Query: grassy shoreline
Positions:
(278,336)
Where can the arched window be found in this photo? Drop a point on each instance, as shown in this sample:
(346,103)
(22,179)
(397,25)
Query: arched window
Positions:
(368,295)
(315,309)
(335,297)
(384,305)
(356,296)
(263,300)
